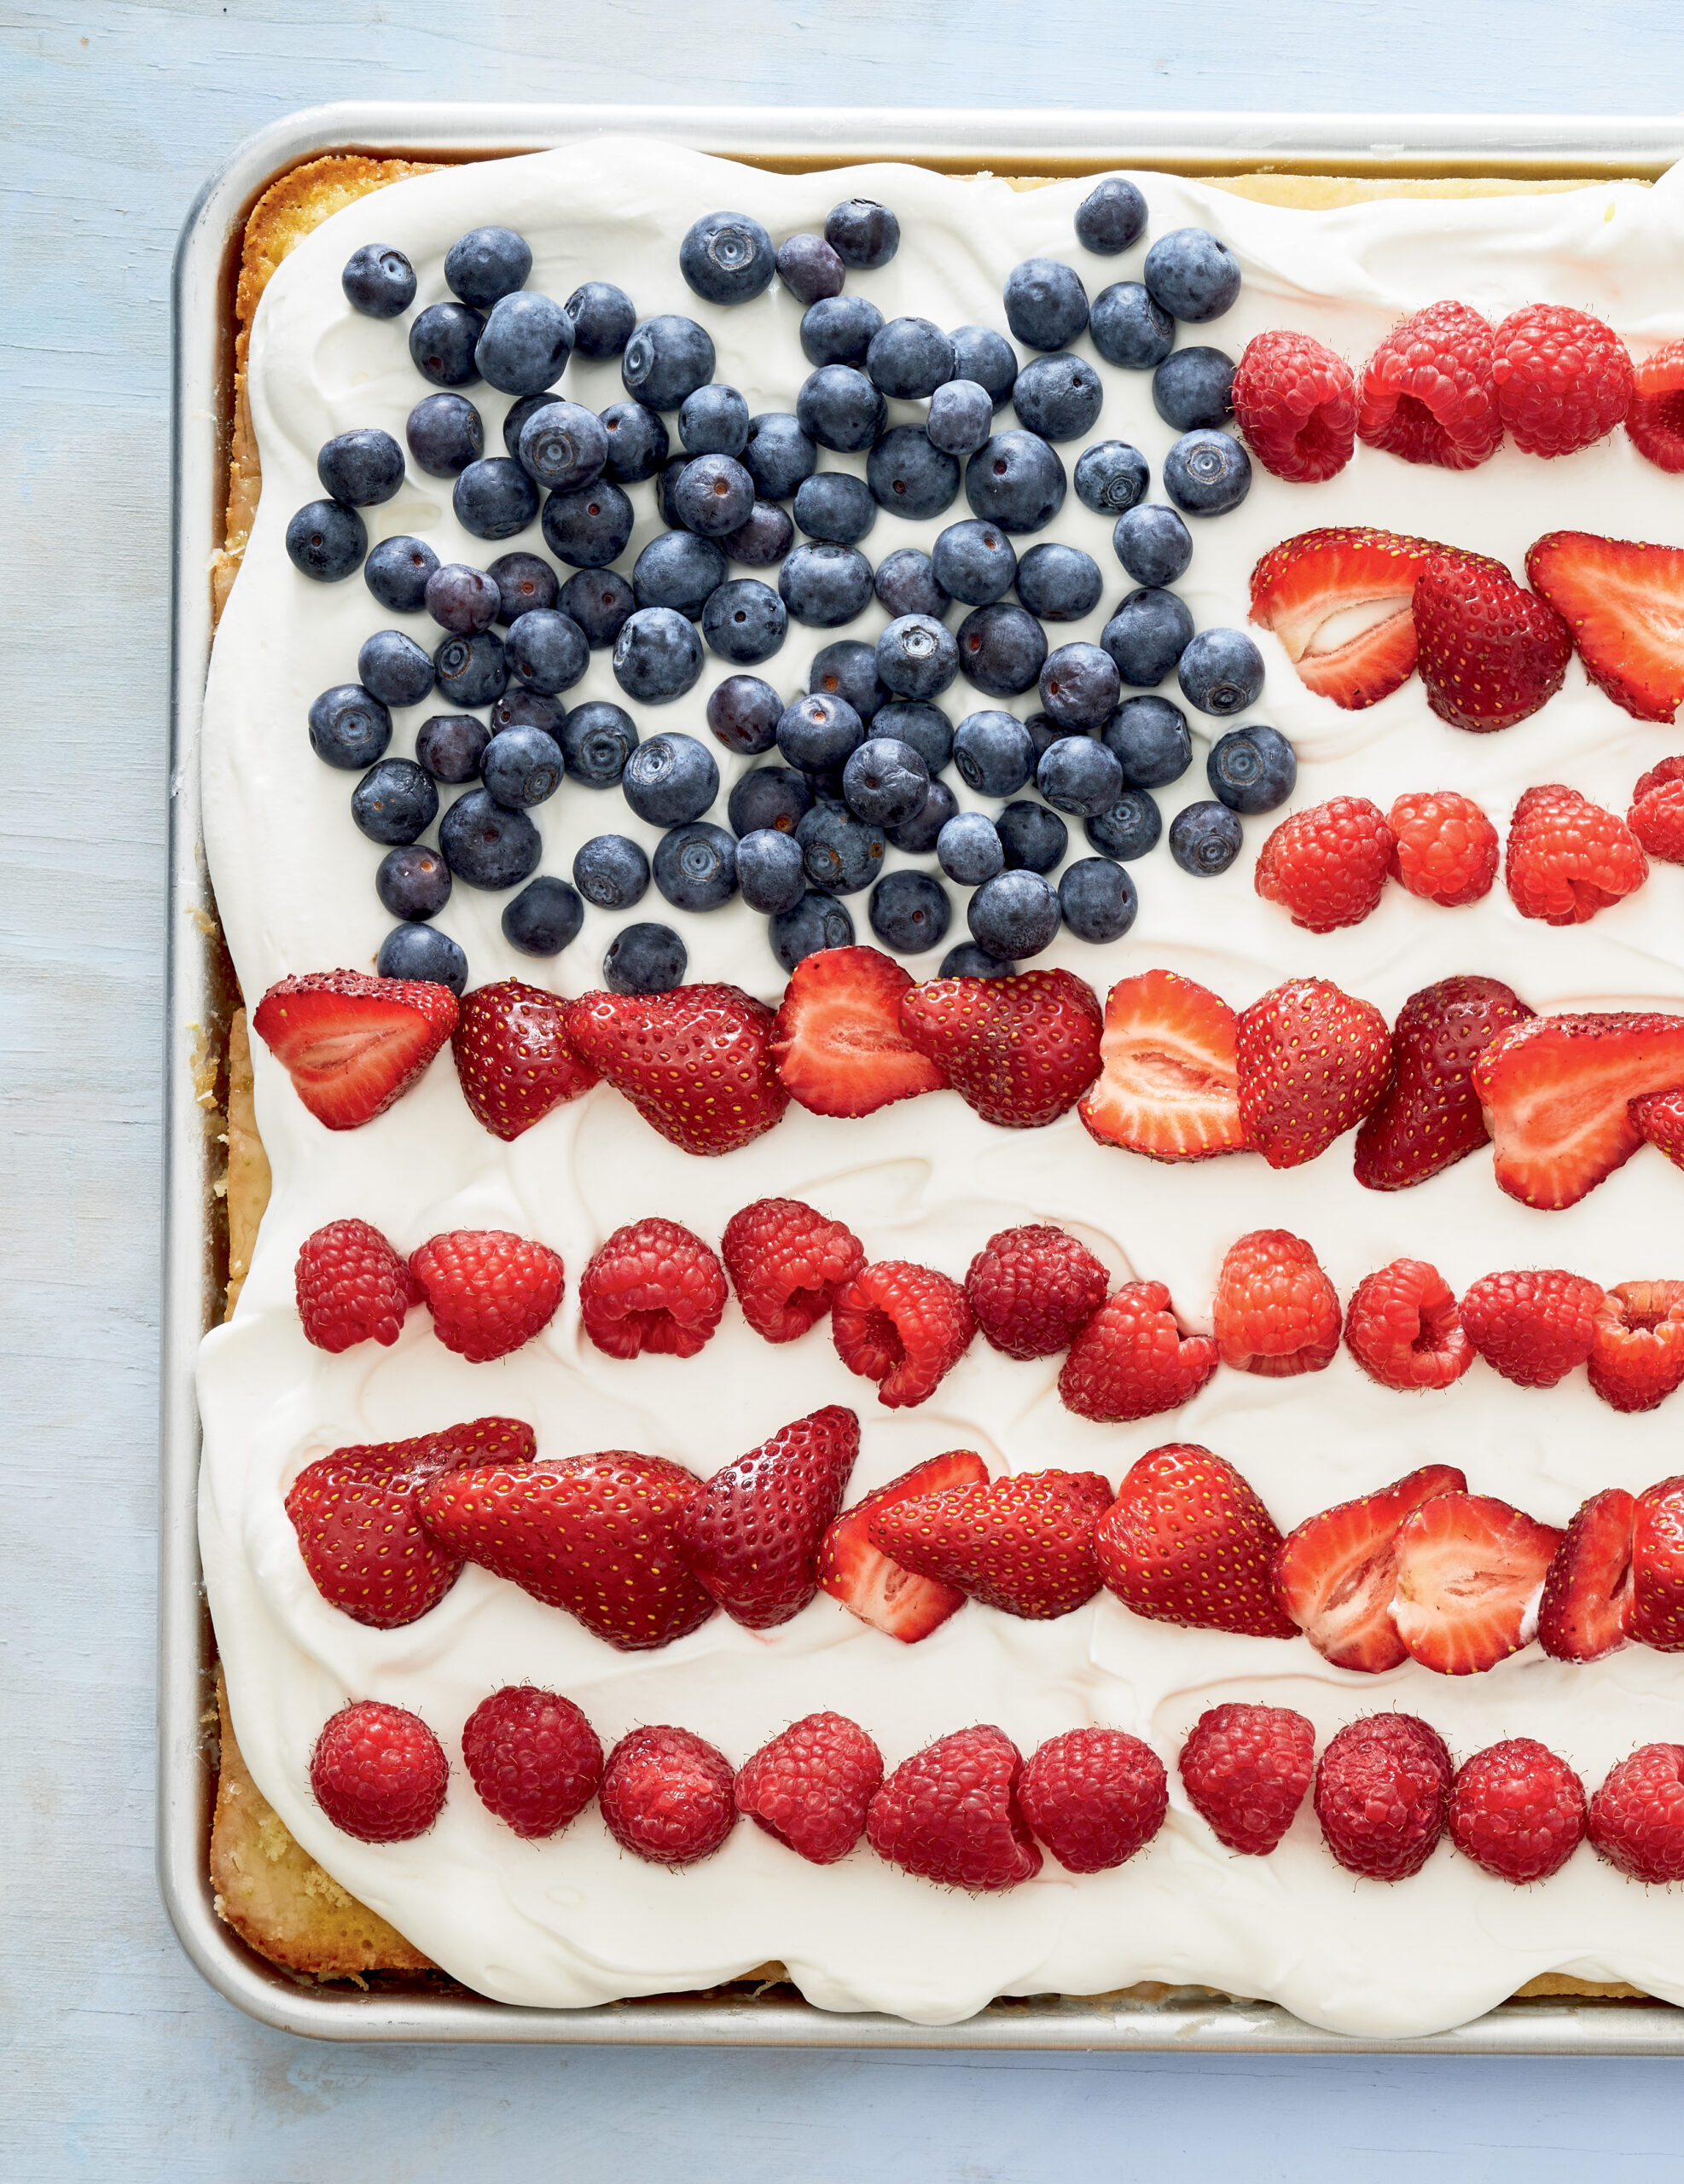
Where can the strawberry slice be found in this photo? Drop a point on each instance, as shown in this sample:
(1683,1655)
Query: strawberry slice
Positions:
(1470,1573)
(1167,1084)
(1341,603)
(1188,1541)
(1021,1050)
(696,1063)
(1024,1545)
(1429,1117)
(869,1584)
(1624,604)
(350,1043)
(752,1534)
(1586,1607)
(1336,1574)
(837,1040)
(1491,652)
(1310,1061)
(1557,1093)
(1658,1567)
(514,1057)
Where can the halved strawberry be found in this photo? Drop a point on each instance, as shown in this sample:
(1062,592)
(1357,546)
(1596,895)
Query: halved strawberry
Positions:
(1491,651)
(1167,1084)
(1341,602)
(1658,1567)
(869,1584)
(1659,1116)
(1557,1093)
(1336,1574)
(1311,1061)
(1188,1541)
(1024,1545)
(352,1044)
(696,1063)
(752,1534)
(1429,1115)
(837,1040)
(1021,1051)
(1586,1611)
(514,1057)
(1470,1573)
(1624,604)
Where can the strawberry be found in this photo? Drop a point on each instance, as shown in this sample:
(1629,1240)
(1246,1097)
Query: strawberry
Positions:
(1246,1770)
(787,1263)
(1167,1086)
(1567,858)
(837,1040)
(904,1326)
(351,1287)
(1658,1567)
(379,1773)
(696,1063)
(1563,379)
(1657,814)
(869,1583)
(1033,1290)
(1336,1574)
(1020,1050)
(1187,1541)
(1430,1117)
(1429,391)
(1382,1791)
(951,1814)
(1024,1545)
(353,1044)
(1655,419)
(1624,604)
(1491,652)
(667,1796)
(514,1057)
(533,1758)
(1132,1360)
(1275,1313)
(652,1286)
(1517,1810)
(1311,1061)
(1445,847)
(1586,1611)
(1307,589)
(1327,866)
(1637,1357)
(1660,1117)
(1535,1325)
(488,1292)
(594,1535)
(1295,403)
(752,1534)
(1470,1571)
(810,1787)
(1404,1327)
(1095,1796)
(1636,1819)
(1557,1093)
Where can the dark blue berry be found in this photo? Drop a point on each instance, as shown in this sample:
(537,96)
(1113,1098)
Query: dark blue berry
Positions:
(810,268)
(562,445)
(521,767)
(909,476)
(450,746)
(777,454)
(917,657)
(1252,769)
(862,233)
(1207,472)
(1194,386)
(1079,774)
(824,586)
(839,330)
(1058,397)
(394,669)
(696,867)
(1147,635)
(527,342)
(645,958)
(397,571)
(987,358)
(817,921)
(1059,583)
(713,421)
(1015,479)
(974,562)
(1111,216)
(968,961)
(993,752)
(961,416)
(1150,739)
(1015,914)
(847,668)
(1080,686)
(423,953)
(670,780)
(680,570)
(775,797)
(885,781)
(515,417)
(522,708)
(1152,543)
(1032,838)
(461,598)
(665,484)
(744,621)
(1192,275)
(637,441)
(602,316)
(727,257)
(907,583)
(1111,476)
(1221,671)
(744,711)
(770,871)
(1002,649)
(326,541)
(658,656)
(820,730)
(471,670)
(494,499)
(361,468)
(839,408)
(969,849)
(487,845)
(925,727)
(1043,733)
(665,359)
(834,506)
(395,801)
(379,281)
(611,871)
(1129,330)
(543,918)
(596,739)
(919,835)
(1046,303)
(413,882)
(486,264)
(909,912)
(598,601)
(762,540)
(841,853)
(1205,839)
(443,338)
(588,529)
(1097,899)
(712,495)
(526,584)
(349,727)
(909,358)
(1129,828)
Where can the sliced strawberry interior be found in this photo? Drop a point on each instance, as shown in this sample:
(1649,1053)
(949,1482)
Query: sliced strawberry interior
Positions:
(837,1040)
(1624,604)
(873,1585)
(1341,603)
(1471,1571)
(1336,1574)
(351,1051)
(1587,1605)
(1557,1095)
(1168,1085)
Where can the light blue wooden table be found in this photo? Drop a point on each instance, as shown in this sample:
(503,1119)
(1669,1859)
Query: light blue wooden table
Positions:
(118,2062)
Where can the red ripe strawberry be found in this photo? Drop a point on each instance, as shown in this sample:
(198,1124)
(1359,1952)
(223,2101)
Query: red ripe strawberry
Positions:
(1404,1328)
(1657,818)
(1624,604)
(379,1773)
(1033,1290)
(653,1285)
(1430,1116)
(1586,1611)
(837,1040)
(488,1291)
(1381,1793)
(787,1263)
(1534,1325)
(1295,404)
(1558,1092)
(533,1758)
(1567,858)
(1429,392)
(352,1044)
(904,1326)
(1327,866)
(1658,1567)
(1655,419)
(951,1814)
(1024,1545)
(1491,652)
(1246,1770)
(513,1056)
(1276,1313)
(1167,1086)
(667,1796)
(1309,589)
(1311,1062)
(1636,1819)
(594,1535)
(753,1533)
(1444,849)
(696,1063)
(810,1787)
(1020,1050)
(1563,379)
(1132,1360)
(1659,1117)
(1637,1357)
(1336,1574)
(1470,1571)
(872,1586)
(1095,1796)
(351,1287)
(1187,1541)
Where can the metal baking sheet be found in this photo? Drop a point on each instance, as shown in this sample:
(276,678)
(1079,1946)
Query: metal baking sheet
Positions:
(1022,142)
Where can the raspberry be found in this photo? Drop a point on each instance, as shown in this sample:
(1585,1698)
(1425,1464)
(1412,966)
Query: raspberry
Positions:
(379,1773)
(1404,1327)
(652,1287)
(1445,849)
(1296,405)
(1381,1795)
(810,1786)
(1033,1290)
(666,1796)
(1662,770)
(1637,1355)
(951,1814)
(787,1263)
(1276,1313)
(904,1326)
(1095,1796)
(1428,392)
(1246,1770)
(1568,858)
(1327,866)
(533,1758)
(1563,379)
(1655,419)
(1657,818)
(1533,1326)
(351,1287)
(1132,1360)
(488,1291)
(1517,1810)
(1636,1819)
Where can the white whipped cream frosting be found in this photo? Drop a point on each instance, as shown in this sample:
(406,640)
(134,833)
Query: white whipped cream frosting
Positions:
(573,1921)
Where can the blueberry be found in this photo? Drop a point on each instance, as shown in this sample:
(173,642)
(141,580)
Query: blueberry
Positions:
(848,669)
(968,961)
(1046,303)
(1147,635)
(839,408)
(817,921)
(968,849)
(885,781)
(443,338)
(1097,899)
(1221,671)
(762,539)
(596,739)
(1204,838)
(486,264)
(462,599)
(527,342)
(1192,275)
(909,912)
(744,711)
(713,421)
(562,445)
(637,442)
(680,570)
(645,958)
(1016,480)
(925,727)
(1058,397)
(413,882)
(1252,769)
(744,621)
(727,257)
(1059,583)
(450,746)
(1194,386)
(820,730)
(862,233)
(518,707)
(907,583)
(1080,686)
(771,872)
(1129,828)
(1015,914)
(395,801)
(1152,543)
(841,853)
(987,358)
(909,358)
(824,586)
(777,454)
(810,268)
(1043,733)
(974,562)
(602,316)
(1150,737)
(1110,477)
(422,952)
(379,281)
(1111,216)
(993,753)
(362,468)
(1207,472)
(326,541)
(588,529)
(349,726)
(1079,774)
(665,359)
(543,918)
(397,571)
(611,871)
(839,330)
(836,507)
(775,797)
(525,586)
(1129,330)
(919,835)
(494,499)
(713,494)
(1002,649)
(695,866)
(515,416)
(1031,838)
(658,656)
(394,669)
(521,767)
(471,670)
(917,657)
(670,780)
(486,845)
(961,416)
(909,476)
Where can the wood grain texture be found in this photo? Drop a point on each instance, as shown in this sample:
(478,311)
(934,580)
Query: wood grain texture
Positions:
(118,2062)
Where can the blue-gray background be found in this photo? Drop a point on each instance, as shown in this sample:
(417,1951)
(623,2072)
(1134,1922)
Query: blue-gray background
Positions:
(118,2062)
